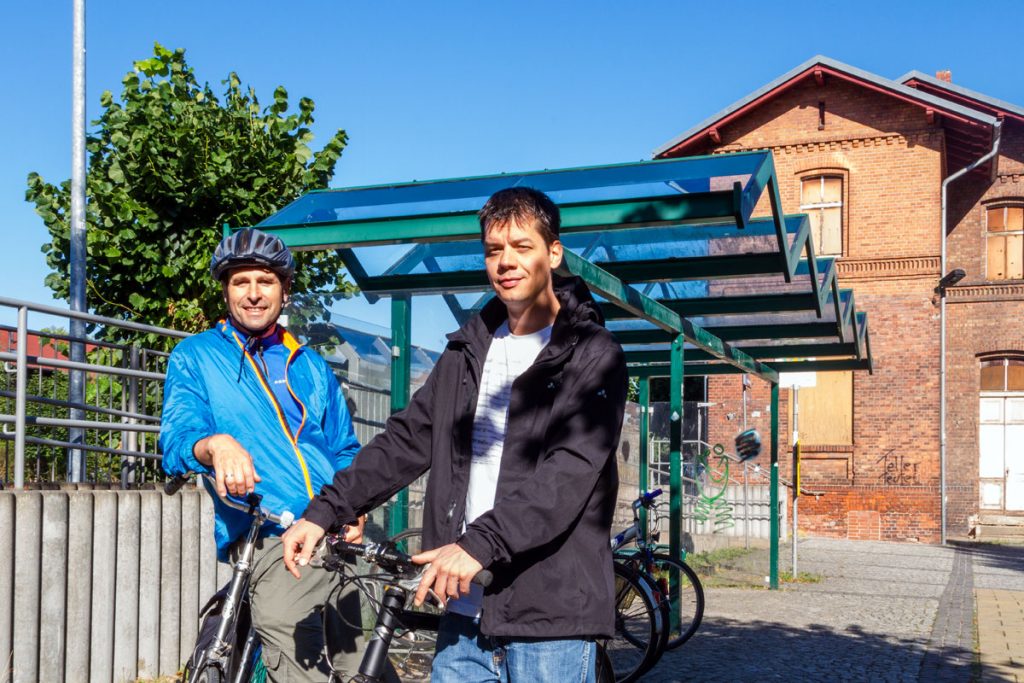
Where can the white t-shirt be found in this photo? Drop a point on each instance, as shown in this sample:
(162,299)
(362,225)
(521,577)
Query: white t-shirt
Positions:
(508,357)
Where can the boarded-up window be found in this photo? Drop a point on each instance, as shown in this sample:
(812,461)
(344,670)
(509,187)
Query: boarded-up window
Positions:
(1002,374)
(821,198)
(826,410)
(1005,252)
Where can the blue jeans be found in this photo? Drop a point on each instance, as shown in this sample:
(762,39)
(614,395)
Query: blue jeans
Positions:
(464,655)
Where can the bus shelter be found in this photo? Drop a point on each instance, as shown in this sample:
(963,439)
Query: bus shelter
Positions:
(691,279)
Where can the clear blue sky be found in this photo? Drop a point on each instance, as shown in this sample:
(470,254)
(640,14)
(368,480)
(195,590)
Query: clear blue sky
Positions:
(440,89)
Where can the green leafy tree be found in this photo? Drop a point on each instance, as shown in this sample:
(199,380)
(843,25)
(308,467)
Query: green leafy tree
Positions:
(169,164)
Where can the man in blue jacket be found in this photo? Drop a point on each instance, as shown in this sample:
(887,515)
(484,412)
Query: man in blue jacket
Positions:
(248,404)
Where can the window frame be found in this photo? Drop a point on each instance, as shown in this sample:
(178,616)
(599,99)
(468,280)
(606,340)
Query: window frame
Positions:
(842,175)
(1002,205)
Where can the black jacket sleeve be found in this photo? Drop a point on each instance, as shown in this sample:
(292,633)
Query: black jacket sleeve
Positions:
(584,434)
(390,461)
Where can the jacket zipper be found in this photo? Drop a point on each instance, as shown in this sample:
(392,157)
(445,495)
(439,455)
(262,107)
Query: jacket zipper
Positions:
(281,417)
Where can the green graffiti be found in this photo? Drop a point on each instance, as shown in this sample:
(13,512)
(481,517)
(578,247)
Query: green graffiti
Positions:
(712,481)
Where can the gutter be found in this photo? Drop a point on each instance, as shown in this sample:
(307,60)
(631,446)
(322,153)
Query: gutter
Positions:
(996,135)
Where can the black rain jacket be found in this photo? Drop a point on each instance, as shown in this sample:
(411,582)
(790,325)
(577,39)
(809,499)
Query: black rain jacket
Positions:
(547,538)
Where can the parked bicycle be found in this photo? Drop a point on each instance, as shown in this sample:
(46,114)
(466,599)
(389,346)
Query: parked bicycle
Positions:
(228,650)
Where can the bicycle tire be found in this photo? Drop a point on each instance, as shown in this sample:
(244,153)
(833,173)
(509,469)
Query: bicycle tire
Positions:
(409,541)
(209,674)
(663,569)
(636,645)
(690,608)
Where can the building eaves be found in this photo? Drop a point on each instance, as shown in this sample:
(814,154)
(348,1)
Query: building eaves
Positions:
(820,60)
(964,92)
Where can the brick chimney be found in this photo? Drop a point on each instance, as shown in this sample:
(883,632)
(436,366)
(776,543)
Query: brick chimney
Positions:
(946,76)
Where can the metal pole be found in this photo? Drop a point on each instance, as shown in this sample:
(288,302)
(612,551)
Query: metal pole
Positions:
(675,439)
(131,437)
(401,372)
(645,428)
(996,137)
(773,575)
(745,381)
(796,477)
(21,384)
(76,389)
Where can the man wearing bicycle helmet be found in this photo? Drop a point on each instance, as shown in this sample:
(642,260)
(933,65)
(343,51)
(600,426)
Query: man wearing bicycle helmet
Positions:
(518,424)
(248,404)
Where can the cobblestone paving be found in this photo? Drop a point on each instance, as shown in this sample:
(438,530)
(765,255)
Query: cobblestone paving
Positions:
(870,619)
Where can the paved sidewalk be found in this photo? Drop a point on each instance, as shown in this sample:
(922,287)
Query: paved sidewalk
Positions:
(884,612)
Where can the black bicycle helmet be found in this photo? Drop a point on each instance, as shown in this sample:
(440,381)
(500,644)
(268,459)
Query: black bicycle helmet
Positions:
(251,247)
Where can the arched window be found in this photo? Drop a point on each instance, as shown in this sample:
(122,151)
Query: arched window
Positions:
(1002,374)
(1005,228)
(821,198)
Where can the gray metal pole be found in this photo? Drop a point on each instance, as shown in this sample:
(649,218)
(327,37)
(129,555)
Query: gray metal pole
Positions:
(21,384)
(131,437)
(796,496)
(76,456)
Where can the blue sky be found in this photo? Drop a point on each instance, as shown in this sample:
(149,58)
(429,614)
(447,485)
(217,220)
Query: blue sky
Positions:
(441,89)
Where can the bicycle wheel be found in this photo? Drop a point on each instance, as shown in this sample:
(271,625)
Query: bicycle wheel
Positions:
(209,674)
(635,648)
(687,611)
(409,541)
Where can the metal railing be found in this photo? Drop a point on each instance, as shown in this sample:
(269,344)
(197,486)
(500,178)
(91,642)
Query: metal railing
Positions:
(123,394)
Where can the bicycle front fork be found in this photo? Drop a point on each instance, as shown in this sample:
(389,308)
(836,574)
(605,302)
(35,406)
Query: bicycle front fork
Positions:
(376,657)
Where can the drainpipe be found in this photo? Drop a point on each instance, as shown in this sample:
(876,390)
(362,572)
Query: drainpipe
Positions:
(996,133)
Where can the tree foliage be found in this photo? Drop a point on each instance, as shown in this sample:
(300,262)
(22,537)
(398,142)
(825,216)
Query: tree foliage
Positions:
(169,164)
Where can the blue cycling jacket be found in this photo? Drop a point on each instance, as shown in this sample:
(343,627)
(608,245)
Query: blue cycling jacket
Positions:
(214,386)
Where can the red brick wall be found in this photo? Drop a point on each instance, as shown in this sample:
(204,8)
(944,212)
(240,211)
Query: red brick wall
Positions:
(886,484)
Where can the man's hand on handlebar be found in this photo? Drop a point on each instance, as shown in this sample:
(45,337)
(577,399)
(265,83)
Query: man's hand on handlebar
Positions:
(450,572)
(300,540)
(232,464)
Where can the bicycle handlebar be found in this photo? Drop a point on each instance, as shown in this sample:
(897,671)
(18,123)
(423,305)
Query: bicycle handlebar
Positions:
(251,505)
(384,555)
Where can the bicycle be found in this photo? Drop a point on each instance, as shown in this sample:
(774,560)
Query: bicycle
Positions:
(226,620)
(621,659)
(391,586)
(677,586)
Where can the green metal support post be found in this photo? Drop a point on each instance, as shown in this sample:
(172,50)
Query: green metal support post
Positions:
(773,571)
(645,425)
(401,374)
(675,440)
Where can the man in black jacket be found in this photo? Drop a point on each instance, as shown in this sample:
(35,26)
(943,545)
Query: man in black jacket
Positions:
(518,424)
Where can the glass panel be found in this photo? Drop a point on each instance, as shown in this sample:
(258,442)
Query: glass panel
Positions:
(1015,218)
(997,258)
(996,217)
(577,185)
(991,495)
(1015,257)
(831,232)
(833,191)
(810,190)
(992,376)
(1015,376)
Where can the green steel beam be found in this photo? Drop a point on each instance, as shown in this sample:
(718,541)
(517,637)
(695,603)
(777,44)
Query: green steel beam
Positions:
(696,369)
(356,270)
(682,209)
(725,305)
(645,440)
(401,371)
(642,306)
(772,185)
(655,356)
(675,440)
(427,283)
(773,554)
(692,268)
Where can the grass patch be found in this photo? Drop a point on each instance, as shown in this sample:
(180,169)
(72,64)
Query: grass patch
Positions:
(710,562)
(801,577)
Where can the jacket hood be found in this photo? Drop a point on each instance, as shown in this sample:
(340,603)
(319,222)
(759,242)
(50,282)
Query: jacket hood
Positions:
(577,308)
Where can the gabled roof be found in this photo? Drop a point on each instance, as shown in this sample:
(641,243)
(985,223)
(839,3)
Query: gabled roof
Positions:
(818,67)
(971,98)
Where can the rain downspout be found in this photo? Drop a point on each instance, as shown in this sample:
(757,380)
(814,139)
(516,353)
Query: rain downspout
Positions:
(997,131)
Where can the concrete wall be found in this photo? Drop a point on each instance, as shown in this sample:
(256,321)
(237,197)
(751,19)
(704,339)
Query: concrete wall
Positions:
(103,586)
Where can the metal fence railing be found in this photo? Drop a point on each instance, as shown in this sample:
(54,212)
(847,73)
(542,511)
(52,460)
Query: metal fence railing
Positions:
(114,427)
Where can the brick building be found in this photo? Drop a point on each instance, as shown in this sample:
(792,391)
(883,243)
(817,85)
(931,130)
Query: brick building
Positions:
(866,157)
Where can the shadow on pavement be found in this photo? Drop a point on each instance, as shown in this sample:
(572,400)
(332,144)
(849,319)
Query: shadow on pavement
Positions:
(730,650)
(1001,556)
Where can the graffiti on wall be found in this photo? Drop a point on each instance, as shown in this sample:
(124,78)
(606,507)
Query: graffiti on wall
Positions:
(712,477)
(897,470)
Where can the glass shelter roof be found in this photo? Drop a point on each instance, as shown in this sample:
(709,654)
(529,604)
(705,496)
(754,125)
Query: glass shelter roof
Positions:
(668,248)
